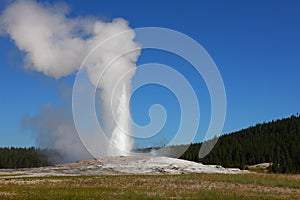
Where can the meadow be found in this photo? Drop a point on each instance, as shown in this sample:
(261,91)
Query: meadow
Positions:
(184,186)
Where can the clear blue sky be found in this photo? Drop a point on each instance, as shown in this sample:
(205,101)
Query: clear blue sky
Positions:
(255,44)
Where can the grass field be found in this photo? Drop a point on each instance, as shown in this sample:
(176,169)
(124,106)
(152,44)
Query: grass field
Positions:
(192,186)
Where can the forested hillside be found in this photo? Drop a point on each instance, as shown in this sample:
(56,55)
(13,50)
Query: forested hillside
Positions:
(276,142)
(23,157)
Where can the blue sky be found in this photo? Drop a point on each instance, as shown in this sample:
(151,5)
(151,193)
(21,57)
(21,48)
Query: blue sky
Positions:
(255,44)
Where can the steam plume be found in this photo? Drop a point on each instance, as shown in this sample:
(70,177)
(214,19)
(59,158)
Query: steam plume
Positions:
(55,129)
(55,45)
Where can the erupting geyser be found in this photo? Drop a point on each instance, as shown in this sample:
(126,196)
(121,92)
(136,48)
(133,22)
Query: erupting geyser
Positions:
(120,133)
(56,45)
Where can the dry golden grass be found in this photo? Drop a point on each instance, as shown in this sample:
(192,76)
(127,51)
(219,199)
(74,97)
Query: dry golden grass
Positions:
(192,186)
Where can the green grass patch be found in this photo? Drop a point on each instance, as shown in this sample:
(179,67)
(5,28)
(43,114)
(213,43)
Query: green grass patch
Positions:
(10,174)
(192,186)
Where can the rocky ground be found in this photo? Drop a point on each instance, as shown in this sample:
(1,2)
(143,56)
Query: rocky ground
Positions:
(124,165)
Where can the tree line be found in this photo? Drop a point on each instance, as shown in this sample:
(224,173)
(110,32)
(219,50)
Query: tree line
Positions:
(276,142)
(23,157)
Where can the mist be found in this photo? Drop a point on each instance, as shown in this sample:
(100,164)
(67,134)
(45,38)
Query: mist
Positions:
(54,128)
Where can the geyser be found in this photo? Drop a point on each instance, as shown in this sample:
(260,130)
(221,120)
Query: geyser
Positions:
(55,45)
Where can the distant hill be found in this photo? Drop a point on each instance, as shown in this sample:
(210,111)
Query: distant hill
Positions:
(276,142)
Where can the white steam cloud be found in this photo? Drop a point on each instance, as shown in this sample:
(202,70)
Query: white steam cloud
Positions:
(55,129)
(55,45)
